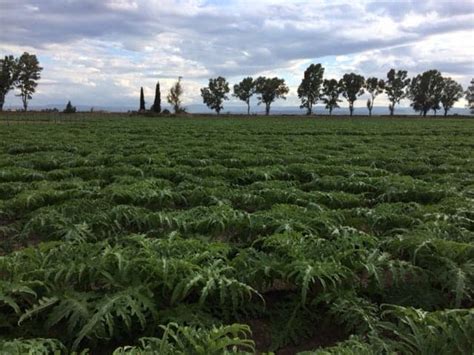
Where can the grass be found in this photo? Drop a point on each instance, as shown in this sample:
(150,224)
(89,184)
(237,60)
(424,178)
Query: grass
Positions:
(127,234)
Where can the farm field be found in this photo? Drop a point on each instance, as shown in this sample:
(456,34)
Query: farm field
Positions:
(132,235)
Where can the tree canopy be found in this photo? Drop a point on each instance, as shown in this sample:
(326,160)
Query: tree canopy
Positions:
(452,92)
(309,90)
(142,100)
(174,96)
(425,91)
(270,89)
(330,94)
(28,73)
(352,86)
(470,96)
(215,94)
(157,102)
(245,90)
(396,87)
(374,87)
(8,76)
(69,108)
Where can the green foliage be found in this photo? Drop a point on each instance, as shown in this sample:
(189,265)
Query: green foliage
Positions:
(420,332)
(8,76)
(353,346)
(452,92)
(229,339)
(413,331)
(470,96)
(374,87)
(292,323)
(311,232)
(28,75)
(270,89)
(330,94)
(426,91)
(244,91)
(215,94)
(31,346)
(352,85)
(142,100)
(156,107)
(396,87)
(309,90)
(175,96)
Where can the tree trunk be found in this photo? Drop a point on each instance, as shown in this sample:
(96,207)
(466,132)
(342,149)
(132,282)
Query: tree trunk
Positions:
(267,109)
(370,111)
(248,108)
(351,109)
(392,109)
(25,103)
(445,112)
(424,112)
(330,111)
(2,101)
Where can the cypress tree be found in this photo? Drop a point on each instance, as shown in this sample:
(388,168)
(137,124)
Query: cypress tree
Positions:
(69,108)
(142,100)
(157,103)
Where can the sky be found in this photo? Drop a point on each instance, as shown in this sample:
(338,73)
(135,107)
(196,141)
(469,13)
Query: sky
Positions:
(99,53)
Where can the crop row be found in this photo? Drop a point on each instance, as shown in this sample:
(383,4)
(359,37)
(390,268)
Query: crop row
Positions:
(205,236)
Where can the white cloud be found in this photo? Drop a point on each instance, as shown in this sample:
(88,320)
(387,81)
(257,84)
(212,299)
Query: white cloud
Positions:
(123,5)
(102,52)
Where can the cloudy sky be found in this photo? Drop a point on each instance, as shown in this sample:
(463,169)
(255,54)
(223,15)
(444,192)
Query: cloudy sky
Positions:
(99,53)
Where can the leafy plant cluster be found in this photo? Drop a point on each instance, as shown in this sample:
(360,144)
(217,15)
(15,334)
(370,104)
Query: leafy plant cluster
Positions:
(214,236)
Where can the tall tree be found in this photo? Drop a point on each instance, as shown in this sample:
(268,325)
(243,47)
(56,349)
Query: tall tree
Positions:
(309,90)
(470,97)
(142,100)
(270,89)
(244,91)
(215,94)
(374,87)
(28,74)
(157,103)
(330,94)
(424,90)
(8,76)
(174,96)
(352,85)
(396,87)
(69,108)
(452,92)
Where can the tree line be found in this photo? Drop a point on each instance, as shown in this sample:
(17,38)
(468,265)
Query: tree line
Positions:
(427,91)
(174,98)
